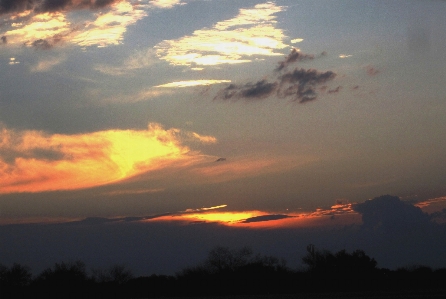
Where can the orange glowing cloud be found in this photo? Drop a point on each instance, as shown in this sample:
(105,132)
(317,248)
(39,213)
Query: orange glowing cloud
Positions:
(340,214)
(32,161)
(251,32)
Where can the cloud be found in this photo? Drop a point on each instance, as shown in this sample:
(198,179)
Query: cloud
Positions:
(34,161)
(47,64)
(192,83)
(301,83)
(270,217)
(136,61)
(165,3)
(142,95)
(391,215)
(48,23)
(258,90)
(294,56)
(252,32)
(43,6)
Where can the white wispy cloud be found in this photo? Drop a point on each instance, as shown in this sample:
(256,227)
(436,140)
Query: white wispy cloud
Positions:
(192,83)
(251,33)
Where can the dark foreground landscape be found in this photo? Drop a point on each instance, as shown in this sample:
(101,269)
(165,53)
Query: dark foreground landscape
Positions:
(233,273)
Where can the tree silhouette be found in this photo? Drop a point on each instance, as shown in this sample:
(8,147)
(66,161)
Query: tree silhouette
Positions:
(343,270)
(117,274)
(63,280)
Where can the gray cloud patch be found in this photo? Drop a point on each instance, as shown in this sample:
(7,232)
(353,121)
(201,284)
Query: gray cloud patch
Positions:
(258,90)
(42,44)
(294,56)
(302,83)
(299,84)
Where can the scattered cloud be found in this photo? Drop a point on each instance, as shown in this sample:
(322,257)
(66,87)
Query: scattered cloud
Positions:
(252,32)
(298,84)
(297,40)
(13,61)
(43,24)
(33,161)
(294,56)
(335,90)
(165,3)
(301,83)
(248,91)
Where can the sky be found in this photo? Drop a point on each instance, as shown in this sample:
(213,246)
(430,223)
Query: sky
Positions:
(178,125)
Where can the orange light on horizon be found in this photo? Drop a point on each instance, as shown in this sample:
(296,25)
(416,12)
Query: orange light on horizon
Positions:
(263,220)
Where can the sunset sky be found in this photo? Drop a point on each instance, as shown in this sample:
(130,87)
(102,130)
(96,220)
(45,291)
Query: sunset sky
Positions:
(244,117)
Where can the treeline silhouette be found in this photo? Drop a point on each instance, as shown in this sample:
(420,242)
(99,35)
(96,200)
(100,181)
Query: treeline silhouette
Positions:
(224,272)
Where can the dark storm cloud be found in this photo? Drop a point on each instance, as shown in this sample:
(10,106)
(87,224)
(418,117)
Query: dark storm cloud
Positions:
(294,56)
(265,218)
(17,6)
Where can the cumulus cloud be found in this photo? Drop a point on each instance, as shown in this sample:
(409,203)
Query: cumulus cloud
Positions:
(33,161)
(389,214)
(252,32)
